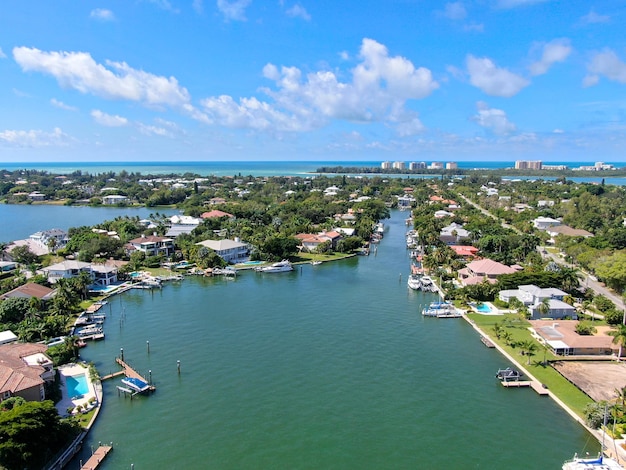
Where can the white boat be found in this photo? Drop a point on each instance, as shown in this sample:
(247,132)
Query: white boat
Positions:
(316,262)
(280,267)
(414,282)
(599,463)
(441,310)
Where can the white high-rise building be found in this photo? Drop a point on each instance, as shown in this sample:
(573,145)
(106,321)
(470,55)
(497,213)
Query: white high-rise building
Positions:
(385,165)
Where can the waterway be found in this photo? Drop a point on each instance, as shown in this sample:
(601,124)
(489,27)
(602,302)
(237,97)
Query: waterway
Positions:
(330,366)
(19,221)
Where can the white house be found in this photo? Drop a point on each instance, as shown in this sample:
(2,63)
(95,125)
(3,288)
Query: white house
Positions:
(66,269)
(453,234)
(231,251)
(543,223)
(533,296)
(55,235)
(113,199)
(152,245)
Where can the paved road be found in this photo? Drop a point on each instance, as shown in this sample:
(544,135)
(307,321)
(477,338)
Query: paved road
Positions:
(587,280)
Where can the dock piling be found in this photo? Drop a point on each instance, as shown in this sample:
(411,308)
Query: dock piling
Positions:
(178,366)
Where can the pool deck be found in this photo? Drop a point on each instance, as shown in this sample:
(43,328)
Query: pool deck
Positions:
(95,390)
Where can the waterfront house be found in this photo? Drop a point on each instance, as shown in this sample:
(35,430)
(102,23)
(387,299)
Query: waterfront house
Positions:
(182,224)
(24,371)
(231,251)
(54,237)
(310,242)
(562,339)
(483,270)
(465,251)
(114,199)
(103,274)
(65,270)
(152,245)
(533,296)
(30,290)
(36,196)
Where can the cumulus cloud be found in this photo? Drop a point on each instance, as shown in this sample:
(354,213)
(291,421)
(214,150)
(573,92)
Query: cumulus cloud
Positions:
(154,130)
(108,120)
(379,88)
(79,71)
(59,104)
(492,80)
(298,11)
(34,138)
(593,18)
(102,14)
(455,11)
(555,51)
(605,63)
(233,9)
(506,4)
(493,119)
(198,6)
(2,54)
(163,5)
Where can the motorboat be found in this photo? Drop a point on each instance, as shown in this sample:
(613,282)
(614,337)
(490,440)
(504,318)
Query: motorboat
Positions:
(508,374)
(414,282)
(441,310)
(279,267)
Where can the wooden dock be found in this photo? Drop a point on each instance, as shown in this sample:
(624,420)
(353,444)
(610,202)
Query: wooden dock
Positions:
(536,386)
(113,375)
(97,457)
(128,371)
(487,342)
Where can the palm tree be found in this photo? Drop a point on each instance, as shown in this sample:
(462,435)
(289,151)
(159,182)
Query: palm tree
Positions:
(497,329)
(528,348)
(619,337)
(544,307)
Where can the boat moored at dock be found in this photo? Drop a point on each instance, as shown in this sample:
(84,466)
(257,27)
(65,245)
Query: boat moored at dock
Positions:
(279,267)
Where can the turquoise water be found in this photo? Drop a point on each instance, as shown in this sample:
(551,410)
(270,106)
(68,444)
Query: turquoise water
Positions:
(76,385)
(482,308)
(19,221)
(326,367)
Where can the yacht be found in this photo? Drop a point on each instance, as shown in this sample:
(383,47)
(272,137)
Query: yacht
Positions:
(599,463)
(280,267)
(414,282)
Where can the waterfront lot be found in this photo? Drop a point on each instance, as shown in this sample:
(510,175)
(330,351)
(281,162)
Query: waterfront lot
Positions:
(599,380)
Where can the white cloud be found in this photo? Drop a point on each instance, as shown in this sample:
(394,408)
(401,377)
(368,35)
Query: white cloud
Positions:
(605,63)
(555,51)
(198,6)
(34,138)
(163,5)
(233,9)
(455,11)
(474,27)
(558,131)
(2,54)
(108,120)
(154,130)
(78,71)
(102,14)
(592,18)
(506,4)
(298,11)
(59,104)
(493,80)
(493,119)
(378,91)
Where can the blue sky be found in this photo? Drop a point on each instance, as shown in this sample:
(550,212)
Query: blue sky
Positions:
(241,80)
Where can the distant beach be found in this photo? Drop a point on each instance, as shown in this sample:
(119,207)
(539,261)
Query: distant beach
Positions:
(244,168)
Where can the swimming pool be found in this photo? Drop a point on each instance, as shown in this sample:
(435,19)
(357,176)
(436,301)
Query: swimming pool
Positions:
(483,308)
(76,385)
(253,262)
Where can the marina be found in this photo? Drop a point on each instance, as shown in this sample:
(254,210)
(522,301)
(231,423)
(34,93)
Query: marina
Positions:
(274,368)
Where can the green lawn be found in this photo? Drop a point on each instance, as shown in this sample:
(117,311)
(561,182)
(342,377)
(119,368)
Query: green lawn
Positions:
(567,392)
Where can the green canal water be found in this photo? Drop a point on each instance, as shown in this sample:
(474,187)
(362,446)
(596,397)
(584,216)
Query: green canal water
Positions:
(327,367)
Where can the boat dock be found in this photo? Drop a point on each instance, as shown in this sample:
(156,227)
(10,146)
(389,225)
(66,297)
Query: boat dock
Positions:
(536,386)
(97,457)
(487,342)
(131,373)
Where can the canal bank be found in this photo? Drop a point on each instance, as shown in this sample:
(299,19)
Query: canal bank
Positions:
(330,366)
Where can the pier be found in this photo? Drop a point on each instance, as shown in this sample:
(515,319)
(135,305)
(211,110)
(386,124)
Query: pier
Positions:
(536,386)
(97,457)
